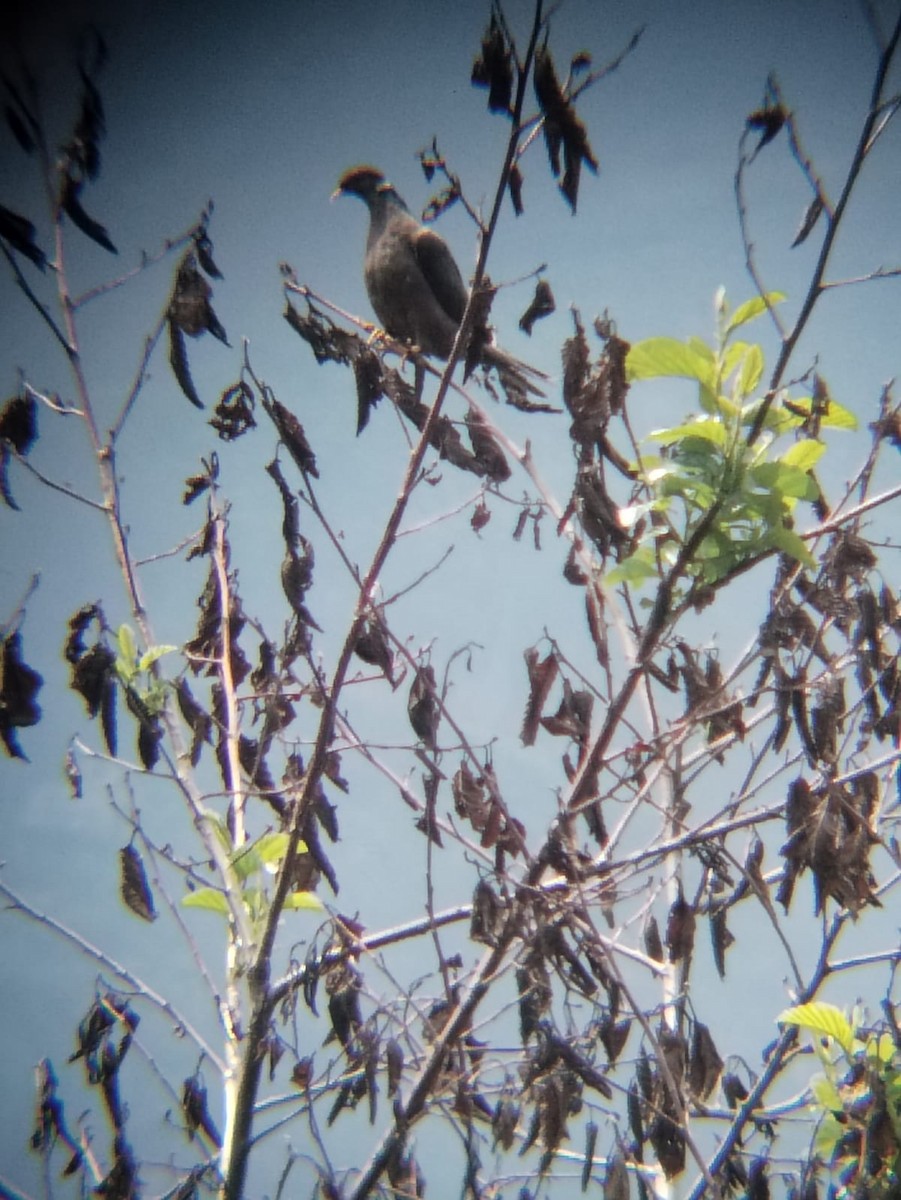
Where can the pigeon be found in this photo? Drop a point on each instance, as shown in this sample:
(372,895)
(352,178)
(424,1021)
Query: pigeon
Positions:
(413,282)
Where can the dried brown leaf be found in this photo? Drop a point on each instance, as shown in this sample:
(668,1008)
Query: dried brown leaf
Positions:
(541,679)
(133,885)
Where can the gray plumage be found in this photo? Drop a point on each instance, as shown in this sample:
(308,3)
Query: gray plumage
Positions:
(413,282)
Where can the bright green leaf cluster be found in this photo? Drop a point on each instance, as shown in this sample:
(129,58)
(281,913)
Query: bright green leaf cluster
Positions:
(251,863)
(706,465)
(133,670)
(858,1097)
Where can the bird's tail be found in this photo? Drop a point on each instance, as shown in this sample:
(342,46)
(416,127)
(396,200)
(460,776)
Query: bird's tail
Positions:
(513,372)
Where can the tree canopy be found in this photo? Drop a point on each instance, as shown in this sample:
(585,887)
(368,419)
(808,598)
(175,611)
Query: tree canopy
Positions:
(479,780)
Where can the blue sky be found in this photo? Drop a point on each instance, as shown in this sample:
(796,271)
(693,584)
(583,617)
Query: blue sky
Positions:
(261,107)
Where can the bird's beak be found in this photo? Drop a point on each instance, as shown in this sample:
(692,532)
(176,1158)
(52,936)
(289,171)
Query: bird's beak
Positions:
(339,191)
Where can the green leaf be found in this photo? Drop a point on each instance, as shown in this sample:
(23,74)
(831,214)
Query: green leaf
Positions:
(663,356)
(787,480)
(781,419)
(153,654)
(246,862)
(881,1048)
(700,347)
(751,309)
(635,569)
(256,902)
(829,1133)
(127,650)
(220,828)
(751,371)
(708,429)
(732,357)
(836,415)
(789,543)
(804,454)
(826,1093)
(272,847)
(304,900)
(208,898)
(268,848)
(819,1017)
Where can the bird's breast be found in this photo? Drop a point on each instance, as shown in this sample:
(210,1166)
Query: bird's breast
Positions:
(400,295)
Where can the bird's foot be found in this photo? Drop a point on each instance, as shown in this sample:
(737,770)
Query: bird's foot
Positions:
(376,336)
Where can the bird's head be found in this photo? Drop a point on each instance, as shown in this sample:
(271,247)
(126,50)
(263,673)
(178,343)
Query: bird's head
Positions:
(366,182)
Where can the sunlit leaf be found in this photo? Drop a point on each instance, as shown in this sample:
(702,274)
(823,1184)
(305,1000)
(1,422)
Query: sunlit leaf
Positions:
(751,371)
(304,900)
(733,357)
(146,661)
(700,347)
(220,828)
(751,309)
(635,569)
(127,649)
(789,543)
(826,1093)
(829,1132)
(207,898)
(836,415)
(663,356)
(272,847)
(804,454)
(819,1017)
(709,430)
(883,1048)
(787,480)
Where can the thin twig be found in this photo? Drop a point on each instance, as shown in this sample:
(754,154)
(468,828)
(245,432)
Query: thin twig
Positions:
(116,968)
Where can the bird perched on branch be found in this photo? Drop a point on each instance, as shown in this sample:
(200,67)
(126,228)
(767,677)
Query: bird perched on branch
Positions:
(413,282)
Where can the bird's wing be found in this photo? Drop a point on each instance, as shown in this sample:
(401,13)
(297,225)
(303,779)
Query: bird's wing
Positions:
(441,272)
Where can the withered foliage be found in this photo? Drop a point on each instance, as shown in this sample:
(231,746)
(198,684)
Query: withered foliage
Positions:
(562,128)
(133,884)
(50,1121)
(680,932)
(768,122)
(80,160)
(493,69)
(704,1063)
(831,832)
(542,675)
(206,648)
(19,686)
(233,415)
(488,454)
(196,1112)
(291,433)
(373,647)
(477,801)
(93,670)
(190,312)
(103,1039)
(541,306)
(196,717)
(20,235)
(575,1040)
(18,433)
(423,708)
(808,221)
